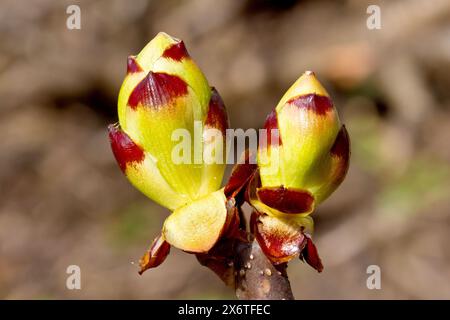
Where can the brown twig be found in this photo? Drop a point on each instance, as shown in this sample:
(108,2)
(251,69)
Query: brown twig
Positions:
(257,278)
(243,266)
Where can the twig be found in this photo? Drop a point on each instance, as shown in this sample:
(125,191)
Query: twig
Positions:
(243,266)
(258,278)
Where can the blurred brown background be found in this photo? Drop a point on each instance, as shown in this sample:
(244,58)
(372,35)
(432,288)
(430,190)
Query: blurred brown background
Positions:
(64,201)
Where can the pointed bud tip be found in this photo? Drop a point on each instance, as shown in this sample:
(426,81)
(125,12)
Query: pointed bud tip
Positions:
(311,84)
(154,50)
(166,36)
(307,84)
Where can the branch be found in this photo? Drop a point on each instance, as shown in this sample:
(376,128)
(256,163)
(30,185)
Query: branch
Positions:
(243,266)
(258,278)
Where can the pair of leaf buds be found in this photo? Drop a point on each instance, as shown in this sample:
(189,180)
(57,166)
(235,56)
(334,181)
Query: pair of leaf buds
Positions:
(164,90)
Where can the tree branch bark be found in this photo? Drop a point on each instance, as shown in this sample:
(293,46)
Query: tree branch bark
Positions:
(249,272)
(257,278)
